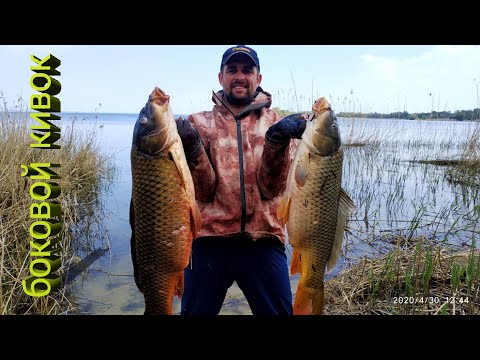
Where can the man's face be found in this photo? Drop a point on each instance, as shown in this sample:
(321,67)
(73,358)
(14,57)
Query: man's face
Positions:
(239,79)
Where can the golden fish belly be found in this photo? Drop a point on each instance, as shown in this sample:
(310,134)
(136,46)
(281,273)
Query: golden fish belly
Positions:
(313,215)
(162,223)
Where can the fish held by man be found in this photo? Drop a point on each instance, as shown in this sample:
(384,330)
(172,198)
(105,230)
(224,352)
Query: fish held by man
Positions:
(315,208)
(164,216)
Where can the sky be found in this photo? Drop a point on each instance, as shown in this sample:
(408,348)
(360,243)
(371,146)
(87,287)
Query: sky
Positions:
(366,78)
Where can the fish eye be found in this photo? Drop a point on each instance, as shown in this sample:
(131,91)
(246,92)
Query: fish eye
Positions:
(143,120)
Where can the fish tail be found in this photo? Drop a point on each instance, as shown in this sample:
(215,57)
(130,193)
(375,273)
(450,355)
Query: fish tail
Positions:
(308,301)
(296,264)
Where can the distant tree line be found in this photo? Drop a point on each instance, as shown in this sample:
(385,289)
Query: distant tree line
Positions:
(459,115)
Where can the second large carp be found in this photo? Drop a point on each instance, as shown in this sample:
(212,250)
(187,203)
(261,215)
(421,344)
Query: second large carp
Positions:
(315,208)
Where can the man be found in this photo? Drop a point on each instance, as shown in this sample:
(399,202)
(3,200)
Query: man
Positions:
(239,156)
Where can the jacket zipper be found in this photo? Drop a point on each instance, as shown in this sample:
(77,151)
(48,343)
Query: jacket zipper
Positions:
(242,179)
(237,118)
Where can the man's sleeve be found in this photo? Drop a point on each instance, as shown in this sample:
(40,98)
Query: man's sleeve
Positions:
(203,175)
(273,171)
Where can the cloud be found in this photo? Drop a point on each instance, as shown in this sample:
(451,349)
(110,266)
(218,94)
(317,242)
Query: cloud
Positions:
(384,67)
(472,51)
(444,69)
(439,60)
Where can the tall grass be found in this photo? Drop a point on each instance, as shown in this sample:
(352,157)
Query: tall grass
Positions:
(84,172)
(408,281)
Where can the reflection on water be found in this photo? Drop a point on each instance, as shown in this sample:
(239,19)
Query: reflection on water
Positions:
(394,196)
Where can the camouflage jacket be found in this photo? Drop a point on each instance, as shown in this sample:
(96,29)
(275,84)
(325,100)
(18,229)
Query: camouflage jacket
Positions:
(233,201)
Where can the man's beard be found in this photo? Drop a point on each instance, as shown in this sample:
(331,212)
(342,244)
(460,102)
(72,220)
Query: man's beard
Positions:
(239,102)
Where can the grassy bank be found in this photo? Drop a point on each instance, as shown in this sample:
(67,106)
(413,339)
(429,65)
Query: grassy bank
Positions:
(416,280)
(84,172)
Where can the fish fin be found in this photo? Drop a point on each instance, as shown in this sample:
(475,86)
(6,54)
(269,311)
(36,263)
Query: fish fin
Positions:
(296,263)
(178,285)
(176,160)
(283,209)
(132,247)
(301,171)
(195,220)
(345,207)
(303,304)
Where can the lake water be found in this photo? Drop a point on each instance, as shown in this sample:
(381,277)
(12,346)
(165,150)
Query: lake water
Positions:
(390,191)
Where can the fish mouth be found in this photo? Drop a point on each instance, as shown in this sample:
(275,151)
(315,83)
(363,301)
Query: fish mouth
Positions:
(321,105)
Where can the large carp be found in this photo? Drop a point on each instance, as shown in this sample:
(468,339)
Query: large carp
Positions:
(163,212)
(315,208)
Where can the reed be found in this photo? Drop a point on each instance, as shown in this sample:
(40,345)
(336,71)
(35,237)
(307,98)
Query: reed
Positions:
(84,172)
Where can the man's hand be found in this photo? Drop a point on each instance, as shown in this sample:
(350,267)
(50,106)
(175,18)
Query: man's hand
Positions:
(190,138)
(290,127)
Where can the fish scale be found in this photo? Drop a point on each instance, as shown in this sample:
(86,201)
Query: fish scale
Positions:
(161,210)
(312,228)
